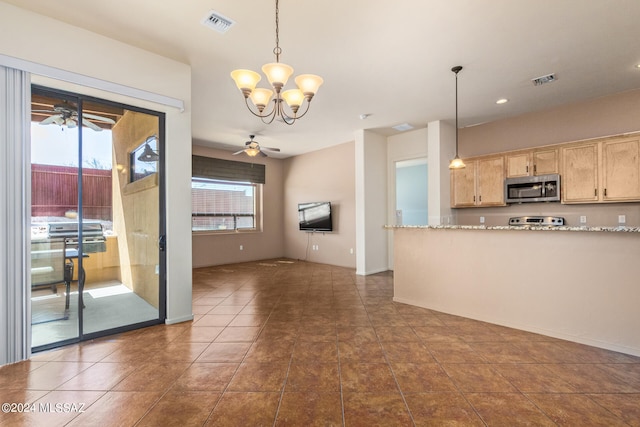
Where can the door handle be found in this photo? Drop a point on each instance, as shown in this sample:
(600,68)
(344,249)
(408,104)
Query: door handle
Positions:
(162,243)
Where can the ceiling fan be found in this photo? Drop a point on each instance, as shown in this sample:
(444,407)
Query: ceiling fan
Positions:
(253,148)
(67,114)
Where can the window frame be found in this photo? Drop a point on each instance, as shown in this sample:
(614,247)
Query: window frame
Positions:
(257,208)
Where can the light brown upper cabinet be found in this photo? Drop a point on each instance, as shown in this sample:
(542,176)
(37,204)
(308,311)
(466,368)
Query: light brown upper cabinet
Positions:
(621,169)
(532,162)
(602,171)
(481,183)
(580,173)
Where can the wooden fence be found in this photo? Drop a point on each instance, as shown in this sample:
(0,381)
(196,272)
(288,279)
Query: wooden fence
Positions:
(54,191)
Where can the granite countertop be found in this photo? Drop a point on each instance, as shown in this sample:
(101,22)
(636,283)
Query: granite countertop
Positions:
(519,228)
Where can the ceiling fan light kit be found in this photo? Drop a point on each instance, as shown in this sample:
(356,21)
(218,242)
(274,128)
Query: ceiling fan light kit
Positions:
(277,74)
(66,114)
(253,149)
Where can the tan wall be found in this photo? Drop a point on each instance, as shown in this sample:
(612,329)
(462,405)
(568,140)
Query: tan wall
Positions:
(323,175)
(136,209)
(580,286)
(217,249)
(101,266)
(599,117)
(610,115)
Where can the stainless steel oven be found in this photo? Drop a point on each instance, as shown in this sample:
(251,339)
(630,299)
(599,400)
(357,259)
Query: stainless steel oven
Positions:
(541,188)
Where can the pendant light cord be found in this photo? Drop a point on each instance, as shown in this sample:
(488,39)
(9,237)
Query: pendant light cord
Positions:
(456,70)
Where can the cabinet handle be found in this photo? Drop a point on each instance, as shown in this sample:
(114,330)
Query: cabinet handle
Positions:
(605,192)
(595,192)
(480,198)
(527,168)
(535,169)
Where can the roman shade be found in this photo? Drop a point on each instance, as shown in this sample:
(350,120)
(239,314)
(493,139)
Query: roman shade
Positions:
(227,170)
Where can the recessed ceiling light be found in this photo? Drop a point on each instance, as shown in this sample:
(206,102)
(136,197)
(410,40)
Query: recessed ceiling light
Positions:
(637,65)
(402,127)
(502,101)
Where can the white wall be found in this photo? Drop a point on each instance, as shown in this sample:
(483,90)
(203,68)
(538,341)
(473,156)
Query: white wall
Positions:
(442,141)
(371,203)
(26,36)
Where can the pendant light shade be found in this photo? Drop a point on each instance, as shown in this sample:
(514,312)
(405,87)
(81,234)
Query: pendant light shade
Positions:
(457,162)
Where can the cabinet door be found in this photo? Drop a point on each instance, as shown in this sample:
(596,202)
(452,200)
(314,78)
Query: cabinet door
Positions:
(463,186)
(518,164)
(580,173)
(621,170)
(545,162)
(490,176)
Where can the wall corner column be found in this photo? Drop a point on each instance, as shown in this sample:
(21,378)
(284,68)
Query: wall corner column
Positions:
(371,202)
(441,138)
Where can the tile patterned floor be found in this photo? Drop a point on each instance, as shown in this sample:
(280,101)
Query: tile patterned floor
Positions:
(300,344)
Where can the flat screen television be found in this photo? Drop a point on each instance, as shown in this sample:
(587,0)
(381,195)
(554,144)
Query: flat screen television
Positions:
(315,216)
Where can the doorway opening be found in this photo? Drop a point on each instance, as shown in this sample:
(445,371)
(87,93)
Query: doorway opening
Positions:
(412,192)
(97,263)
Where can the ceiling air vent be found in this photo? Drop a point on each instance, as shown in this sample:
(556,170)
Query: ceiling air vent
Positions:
(217,21)
(544,79)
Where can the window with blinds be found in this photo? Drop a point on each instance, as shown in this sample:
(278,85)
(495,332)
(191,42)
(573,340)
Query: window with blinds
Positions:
(223,205)
(225,194)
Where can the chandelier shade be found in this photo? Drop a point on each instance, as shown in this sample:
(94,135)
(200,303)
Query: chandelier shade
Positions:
(278,75)
(245,79)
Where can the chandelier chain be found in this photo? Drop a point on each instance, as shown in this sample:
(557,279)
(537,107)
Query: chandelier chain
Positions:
(276,50)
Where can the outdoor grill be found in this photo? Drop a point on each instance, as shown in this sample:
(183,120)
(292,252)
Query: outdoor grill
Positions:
(93,239)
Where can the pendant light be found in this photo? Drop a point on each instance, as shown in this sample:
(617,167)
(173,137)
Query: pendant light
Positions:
(457,162)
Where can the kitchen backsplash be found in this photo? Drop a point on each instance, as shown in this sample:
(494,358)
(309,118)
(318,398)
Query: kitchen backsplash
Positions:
(595,215)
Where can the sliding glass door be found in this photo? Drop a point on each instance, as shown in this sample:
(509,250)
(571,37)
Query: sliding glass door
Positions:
(97,264)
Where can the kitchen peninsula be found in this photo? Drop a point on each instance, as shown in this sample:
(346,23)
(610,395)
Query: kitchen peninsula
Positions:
(576,283)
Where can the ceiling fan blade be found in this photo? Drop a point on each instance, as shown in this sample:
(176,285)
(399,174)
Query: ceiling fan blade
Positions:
(57,119)
(99,118)
(238,152)
(270,149)
(262,153)
(90,125)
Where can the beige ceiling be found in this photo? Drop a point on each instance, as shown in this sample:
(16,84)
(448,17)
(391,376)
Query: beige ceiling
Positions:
(390,59)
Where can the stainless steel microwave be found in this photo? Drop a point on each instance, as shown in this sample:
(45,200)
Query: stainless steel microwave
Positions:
(541,188)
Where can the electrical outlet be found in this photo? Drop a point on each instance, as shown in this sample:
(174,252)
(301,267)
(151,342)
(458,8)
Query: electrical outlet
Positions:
(481,220)
(622,219)
(583,219)
(241,247)
(351,251)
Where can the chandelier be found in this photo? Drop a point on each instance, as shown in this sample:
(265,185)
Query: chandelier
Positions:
(277,73)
